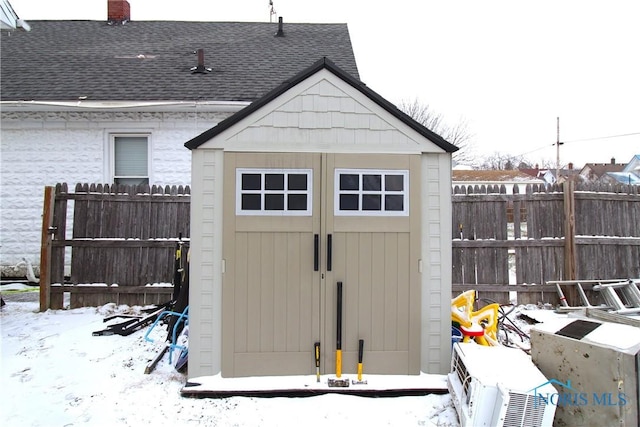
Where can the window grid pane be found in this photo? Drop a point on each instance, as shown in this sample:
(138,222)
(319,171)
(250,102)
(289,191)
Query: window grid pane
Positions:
(251,181)
(274,181)
(273,192)
(297,202)
(371,182)
(274,202)
(371,192)
(349,182)
(393,183)
(371,202)
(297,181)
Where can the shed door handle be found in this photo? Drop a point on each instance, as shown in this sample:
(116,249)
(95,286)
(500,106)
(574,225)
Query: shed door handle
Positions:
(316,252)
(328,252)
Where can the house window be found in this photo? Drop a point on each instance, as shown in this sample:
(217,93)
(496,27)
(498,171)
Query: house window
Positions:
(366,192)
(130,159)
(275,192)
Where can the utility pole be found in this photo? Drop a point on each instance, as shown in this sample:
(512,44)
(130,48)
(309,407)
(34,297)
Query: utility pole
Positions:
(558,144)
(272,11)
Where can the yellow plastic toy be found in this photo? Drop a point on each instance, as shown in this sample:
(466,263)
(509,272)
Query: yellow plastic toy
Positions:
(480,326)
(462,307)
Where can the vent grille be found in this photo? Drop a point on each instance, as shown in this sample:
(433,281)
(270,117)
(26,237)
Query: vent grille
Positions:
(463,375)
(524,410)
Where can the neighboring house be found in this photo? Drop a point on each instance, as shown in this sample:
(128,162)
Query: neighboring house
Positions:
(9,19)
(549,175)
(508,178)
(318,182)
(629,175)
(599,172)
(113,101)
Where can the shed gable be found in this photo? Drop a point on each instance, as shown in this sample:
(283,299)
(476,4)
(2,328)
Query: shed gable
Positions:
(322,114)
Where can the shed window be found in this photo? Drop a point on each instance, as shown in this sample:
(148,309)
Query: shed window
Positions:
(274,192)
(365,192)
(130,156)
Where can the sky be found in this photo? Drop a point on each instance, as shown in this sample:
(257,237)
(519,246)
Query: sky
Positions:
(515,72)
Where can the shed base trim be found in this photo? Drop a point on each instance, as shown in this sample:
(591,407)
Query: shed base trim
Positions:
(307,386)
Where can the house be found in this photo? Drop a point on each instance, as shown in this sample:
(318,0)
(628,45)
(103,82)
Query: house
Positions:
(599,172)
(9,20)
(113,101)
(628,174)
(319,182)
(508,178)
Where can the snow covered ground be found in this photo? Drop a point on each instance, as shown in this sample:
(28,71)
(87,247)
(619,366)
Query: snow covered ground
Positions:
(53,372)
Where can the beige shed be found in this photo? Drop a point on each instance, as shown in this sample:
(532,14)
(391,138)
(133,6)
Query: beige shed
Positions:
(320,181)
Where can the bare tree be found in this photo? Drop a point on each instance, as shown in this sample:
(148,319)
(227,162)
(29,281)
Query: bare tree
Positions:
(458,134)
(500,161)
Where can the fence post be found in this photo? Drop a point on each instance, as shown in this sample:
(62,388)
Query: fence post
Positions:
(45,248)
(569,231)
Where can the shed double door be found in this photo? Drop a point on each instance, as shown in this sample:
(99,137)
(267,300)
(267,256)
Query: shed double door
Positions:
(295,224)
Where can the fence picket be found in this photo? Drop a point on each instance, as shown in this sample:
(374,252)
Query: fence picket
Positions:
(132,232)
(607,226)
(122,235)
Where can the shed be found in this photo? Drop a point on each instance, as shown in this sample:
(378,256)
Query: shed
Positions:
(319,181)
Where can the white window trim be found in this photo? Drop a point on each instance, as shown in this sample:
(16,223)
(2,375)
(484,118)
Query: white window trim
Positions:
(262,192)
(360,212)
(112,135)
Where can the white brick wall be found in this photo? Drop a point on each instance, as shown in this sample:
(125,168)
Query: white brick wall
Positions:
(44,148)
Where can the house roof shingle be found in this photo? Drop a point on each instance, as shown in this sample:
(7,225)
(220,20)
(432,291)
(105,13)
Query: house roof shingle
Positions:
(152,60)
(600,169)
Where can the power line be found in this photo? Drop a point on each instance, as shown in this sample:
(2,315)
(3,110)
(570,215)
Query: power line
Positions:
(537,149)
(603,137)
(578,140)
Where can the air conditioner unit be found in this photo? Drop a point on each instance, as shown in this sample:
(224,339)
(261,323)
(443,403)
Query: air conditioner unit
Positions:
(594,362)
(499,386)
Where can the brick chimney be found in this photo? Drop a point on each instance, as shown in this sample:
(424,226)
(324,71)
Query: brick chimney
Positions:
(118,11)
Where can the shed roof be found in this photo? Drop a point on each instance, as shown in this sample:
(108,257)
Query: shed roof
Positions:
(152,60)
(329,65)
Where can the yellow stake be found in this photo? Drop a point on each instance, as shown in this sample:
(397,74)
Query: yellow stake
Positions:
(338,363)
(317,346)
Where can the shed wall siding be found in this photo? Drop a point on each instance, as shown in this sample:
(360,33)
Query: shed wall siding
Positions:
(323,114)
(205,297)
(436,259)
(45,148)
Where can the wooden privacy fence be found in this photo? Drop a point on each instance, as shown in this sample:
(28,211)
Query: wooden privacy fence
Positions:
(517,242)
(501,242)
(122,246)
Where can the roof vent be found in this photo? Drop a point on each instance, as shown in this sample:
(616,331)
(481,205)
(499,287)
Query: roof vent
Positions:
(200,69)
(118,11)
(280,32)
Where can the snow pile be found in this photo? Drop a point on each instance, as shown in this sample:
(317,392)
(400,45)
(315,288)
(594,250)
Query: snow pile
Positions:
(54,372)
